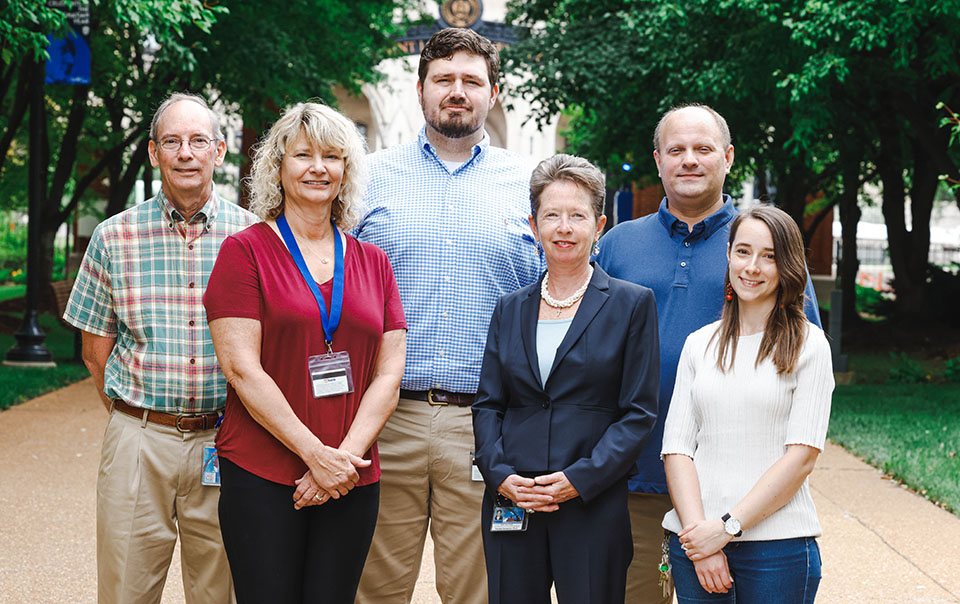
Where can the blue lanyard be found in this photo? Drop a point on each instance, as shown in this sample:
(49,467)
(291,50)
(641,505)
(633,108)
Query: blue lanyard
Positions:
(336,304)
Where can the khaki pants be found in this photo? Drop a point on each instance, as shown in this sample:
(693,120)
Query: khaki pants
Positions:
(425,463)
(646,515)
(148,490)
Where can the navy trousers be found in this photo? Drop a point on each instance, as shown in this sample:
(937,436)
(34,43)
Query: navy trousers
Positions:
(583,548)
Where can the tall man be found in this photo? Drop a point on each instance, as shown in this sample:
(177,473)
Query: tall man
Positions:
(138,301)
(680,253)
(450,212)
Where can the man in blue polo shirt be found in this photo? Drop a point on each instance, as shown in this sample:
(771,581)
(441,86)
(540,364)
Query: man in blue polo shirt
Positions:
(680,252)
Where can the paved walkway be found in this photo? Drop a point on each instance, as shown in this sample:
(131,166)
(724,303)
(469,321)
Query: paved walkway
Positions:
(881,542)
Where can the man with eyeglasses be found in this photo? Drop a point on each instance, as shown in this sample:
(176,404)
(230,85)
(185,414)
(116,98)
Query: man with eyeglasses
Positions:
(138,301)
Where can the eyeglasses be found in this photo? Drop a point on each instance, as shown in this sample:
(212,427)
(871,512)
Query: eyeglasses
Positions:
(197,143)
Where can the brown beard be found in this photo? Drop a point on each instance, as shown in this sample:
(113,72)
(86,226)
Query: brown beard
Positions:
(455,127)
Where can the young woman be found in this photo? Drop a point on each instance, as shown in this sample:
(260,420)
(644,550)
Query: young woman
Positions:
(747,421)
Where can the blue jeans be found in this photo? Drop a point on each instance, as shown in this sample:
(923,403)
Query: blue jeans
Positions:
(785,571)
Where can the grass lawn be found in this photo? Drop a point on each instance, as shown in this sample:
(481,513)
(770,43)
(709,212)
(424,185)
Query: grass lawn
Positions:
(910,431)
(8,292)
(18,384)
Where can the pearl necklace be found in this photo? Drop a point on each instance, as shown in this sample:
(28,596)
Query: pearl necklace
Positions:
(567,302)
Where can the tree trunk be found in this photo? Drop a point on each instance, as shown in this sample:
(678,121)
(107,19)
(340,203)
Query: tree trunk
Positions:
(123,181)
(17,110)
(890,167)
(849,262)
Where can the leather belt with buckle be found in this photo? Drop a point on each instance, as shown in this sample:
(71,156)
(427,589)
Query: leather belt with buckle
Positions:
(435,396)
(183,423)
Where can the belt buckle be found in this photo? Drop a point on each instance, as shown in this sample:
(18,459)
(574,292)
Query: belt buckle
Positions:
(179,427)
(433,402)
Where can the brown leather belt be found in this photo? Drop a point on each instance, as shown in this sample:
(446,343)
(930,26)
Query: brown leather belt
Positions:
(183,423)
(439,397)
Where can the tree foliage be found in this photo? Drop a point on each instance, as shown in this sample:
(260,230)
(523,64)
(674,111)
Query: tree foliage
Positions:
(821,95)
(253,56)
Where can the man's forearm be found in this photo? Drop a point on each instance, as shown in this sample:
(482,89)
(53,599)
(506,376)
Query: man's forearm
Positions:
(96,351)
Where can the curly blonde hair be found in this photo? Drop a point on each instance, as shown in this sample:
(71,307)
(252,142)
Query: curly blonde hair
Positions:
(323,127)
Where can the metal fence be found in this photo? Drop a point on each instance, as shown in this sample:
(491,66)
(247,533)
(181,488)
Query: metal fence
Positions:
(873,252)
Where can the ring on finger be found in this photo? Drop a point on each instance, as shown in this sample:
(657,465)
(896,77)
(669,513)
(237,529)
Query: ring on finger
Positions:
(318,497)
(683,546)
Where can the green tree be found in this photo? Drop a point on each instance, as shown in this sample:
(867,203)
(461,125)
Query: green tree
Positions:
(815,93)
(257,55)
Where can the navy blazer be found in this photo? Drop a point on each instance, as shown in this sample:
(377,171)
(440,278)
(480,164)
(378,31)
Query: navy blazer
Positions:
(599,404)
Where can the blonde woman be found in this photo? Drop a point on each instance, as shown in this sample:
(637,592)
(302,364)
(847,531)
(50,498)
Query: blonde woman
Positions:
(309,330)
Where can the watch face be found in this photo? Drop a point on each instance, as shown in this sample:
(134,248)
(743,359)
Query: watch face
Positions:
(732,526)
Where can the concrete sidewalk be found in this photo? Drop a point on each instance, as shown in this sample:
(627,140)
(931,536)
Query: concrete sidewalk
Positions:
(881,542)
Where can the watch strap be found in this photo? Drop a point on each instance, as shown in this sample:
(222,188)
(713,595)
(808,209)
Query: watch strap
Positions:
(724,519)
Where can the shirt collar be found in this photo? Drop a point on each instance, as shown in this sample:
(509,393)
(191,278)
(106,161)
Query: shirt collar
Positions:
(708,226)
(423,143)
(208,213)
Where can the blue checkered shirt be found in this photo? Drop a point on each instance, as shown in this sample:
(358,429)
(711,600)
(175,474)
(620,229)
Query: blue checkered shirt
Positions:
(457,241)
(142,281)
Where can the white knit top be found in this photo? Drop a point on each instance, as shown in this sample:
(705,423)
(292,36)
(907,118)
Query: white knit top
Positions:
(735,425)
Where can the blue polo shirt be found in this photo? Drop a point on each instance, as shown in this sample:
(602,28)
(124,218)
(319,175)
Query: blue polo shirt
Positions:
(685,269)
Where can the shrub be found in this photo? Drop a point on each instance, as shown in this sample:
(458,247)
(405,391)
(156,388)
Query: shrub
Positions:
(906,371)
(873,302)
(951,370)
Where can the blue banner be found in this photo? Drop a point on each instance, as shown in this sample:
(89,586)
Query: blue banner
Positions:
(69,61)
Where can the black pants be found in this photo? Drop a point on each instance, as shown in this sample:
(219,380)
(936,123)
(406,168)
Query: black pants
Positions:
(582,548)
(279,555)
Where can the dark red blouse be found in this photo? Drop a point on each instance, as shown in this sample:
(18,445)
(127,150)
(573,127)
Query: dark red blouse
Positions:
(255,277)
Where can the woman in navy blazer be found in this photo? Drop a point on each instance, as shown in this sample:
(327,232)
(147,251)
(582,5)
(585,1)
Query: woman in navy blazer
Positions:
(567,397)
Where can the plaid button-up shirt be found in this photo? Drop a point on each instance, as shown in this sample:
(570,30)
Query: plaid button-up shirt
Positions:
(457,241)
(142,281)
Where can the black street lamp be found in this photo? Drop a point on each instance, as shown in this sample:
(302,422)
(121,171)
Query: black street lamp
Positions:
(29,351)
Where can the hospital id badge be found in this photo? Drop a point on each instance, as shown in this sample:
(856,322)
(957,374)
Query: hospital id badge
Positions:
(508,519)
(330,374)
(210,474)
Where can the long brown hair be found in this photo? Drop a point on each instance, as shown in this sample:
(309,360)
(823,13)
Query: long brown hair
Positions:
(786,326)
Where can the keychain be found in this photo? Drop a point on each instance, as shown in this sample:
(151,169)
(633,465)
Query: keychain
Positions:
(664,568)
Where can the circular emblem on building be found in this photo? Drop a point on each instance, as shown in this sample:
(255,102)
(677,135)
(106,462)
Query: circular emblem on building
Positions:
(460,13)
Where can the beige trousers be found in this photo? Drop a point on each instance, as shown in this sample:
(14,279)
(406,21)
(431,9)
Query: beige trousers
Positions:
(425,462)
(148,491)
(646,515)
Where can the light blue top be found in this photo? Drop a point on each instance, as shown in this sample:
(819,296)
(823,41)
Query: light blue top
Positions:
(549,335)
(457,241)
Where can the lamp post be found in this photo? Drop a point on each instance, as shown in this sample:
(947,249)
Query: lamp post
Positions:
(29,351)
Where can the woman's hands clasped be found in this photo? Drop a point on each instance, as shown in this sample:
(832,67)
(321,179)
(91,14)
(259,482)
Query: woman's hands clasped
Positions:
(703,542)
(541,494)
(331,473)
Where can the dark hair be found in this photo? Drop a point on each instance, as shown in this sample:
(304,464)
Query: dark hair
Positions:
(785,329)
(447,42)
(572,169)
(721,124)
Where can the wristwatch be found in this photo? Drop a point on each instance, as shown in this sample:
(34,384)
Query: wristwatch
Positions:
(731,525)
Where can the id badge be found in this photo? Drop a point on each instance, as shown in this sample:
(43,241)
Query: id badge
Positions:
(210,473)
(475,474)
(330,374)
(508,519)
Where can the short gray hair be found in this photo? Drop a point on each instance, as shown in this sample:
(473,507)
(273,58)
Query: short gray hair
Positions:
(176,97)
(572,169)
(721,124)
(323,127)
